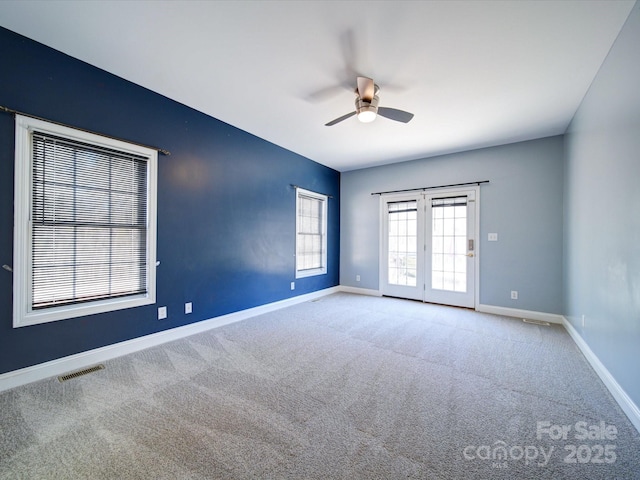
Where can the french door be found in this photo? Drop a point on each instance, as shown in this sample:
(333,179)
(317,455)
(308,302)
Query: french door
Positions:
(428,248)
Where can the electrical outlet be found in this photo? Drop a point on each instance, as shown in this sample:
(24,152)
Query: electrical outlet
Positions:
(188,307)
(514,294)
(162,313)
(293,285)
(357,278)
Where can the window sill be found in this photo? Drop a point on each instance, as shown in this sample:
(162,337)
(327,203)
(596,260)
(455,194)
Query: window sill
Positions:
(25,319)
(311,273)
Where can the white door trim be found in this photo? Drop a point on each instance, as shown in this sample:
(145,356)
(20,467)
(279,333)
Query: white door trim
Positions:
(438,191)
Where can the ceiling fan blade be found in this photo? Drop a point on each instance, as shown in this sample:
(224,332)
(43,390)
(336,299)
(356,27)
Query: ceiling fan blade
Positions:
(339,119)
(366,88)
(325,93)
(348,47)
(395,114)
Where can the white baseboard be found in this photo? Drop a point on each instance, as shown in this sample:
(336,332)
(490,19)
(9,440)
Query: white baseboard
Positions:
(360,291)
(78,361)
(515,312)
(626,403)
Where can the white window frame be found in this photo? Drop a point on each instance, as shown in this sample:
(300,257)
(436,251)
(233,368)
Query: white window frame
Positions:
(301,192)
(23,314)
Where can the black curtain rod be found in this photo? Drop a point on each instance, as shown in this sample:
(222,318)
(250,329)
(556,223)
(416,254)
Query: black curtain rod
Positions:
(16,112)
(431,188)
(297,186)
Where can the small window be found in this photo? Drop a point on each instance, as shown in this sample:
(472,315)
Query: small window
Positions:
(311,238)
(85,233)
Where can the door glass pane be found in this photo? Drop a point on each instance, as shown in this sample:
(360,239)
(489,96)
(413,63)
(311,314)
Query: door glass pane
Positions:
(403,243)
(449,244)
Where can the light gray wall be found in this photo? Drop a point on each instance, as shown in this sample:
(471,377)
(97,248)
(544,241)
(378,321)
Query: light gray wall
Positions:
(602,212)
(523,204)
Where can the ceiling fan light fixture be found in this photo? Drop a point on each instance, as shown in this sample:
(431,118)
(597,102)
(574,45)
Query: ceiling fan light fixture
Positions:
(367,115)
(367,111)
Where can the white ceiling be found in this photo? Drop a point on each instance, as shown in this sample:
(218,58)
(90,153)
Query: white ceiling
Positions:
(474,73)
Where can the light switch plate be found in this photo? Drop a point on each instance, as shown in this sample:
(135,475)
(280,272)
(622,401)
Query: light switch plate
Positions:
(493,237)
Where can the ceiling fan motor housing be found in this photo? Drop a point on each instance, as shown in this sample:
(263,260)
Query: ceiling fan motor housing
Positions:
(363,107)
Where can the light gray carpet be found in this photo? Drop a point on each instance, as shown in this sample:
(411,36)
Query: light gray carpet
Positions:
(344,387)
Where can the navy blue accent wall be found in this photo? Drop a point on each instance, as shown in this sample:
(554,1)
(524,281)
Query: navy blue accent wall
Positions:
(226,208)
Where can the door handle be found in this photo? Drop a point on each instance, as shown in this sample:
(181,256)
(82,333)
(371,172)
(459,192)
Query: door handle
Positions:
(470,254)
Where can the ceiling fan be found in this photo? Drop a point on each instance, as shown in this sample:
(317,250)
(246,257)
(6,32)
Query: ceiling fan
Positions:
(367,105)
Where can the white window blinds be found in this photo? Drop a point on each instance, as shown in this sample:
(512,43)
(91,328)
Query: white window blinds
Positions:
(311,238)
(89,221)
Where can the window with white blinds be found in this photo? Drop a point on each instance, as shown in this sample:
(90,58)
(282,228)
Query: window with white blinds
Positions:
(311,237)
(87,229)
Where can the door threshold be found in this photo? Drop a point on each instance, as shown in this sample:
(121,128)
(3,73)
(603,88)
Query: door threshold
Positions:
(430,303)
